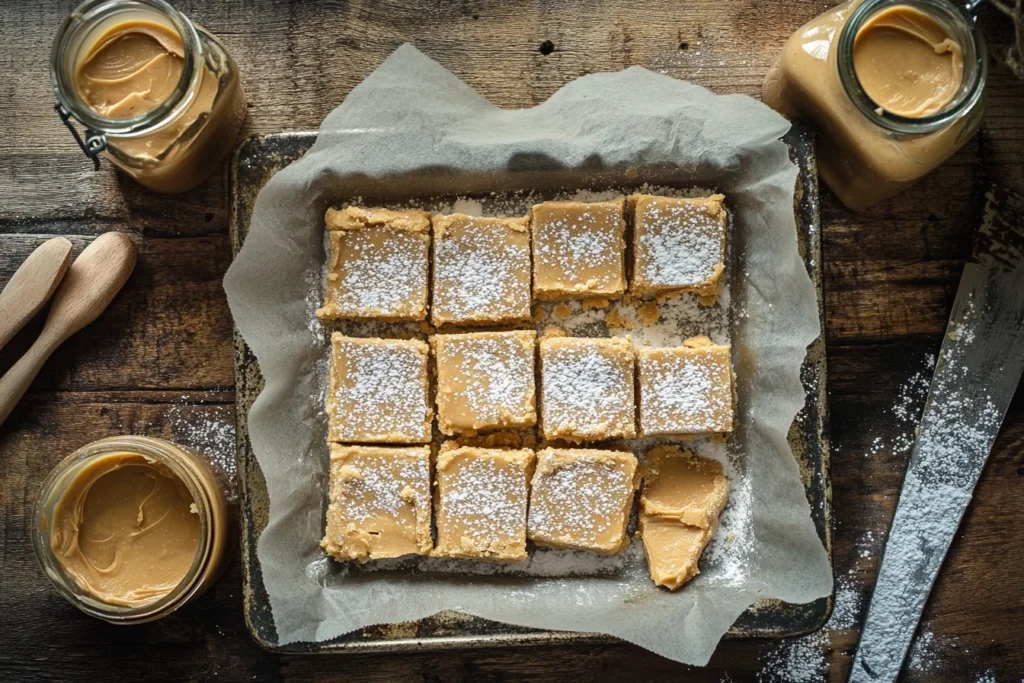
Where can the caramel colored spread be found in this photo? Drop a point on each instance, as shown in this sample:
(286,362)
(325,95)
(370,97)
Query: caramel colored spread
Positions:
(680,504)
(126,529)
(131,69)
(906,63)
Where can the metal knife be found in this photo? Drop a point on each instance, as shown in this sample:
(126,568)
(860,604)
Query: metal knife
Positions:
(975,378)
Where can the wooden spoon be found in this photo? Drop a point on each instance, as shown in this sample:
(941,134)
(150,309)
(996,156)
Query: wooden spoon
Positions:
(32,285)
(91,283)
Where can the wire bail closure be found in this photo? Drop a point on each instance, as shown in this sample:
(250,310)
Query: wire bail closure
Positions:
(94,142)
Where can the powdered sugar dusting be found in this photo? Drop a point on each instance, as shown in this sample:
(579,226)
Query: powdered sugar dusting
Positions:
(380,272)
(679,243)
(483,499)
(209,435)
(478,273)
(579,498)
(805,659)
(383,391)
(587,391)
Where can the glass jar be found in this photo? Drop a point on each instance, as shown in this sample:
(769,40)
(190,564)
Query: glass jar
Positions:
(866,153)
(210,502)
(178,142)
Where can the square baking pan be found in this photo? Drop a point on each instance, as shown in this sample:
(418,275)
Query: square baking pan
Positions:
(257,159)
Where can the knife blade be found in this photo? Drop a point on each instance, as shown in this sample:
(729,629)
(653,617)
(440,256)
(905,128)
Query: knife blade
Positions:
(975,378)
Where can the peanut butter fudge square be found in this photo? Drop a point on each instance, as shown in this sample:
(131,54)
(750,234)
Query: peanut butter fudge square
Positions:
(378,264)
(587,389)
(680,504)
(685,390)
(379,502)
(578,249)
(678,245)
(485,381)
(378,391)
(480,502)
(581,498)
(481,270)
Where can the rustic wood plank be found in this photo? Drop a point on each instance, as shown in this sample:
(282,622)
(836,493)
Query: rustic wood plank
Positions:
(159,360)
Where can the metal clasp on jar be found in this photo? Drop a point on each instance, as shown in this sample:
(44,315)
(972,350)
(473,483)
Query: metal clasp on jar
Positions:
(94,142)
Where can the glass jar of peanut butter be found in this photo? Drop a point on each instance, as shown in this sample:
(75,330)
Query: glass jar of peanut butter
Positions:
(131,528)
(894,88)
(157,95)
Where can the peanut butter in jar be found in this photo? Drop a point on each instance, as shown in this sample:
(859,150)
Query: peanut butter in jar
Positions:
(158,96)
(894,88)
(131,528)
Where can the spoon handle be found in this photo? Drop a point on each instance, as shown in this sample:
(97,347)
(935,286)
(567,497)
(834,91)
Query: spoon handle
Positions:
(17,380)
(32,285)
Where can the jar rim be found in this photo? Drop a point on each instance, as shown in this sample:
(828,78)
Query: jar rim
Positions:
(970,91)
(162,451)
(62,82)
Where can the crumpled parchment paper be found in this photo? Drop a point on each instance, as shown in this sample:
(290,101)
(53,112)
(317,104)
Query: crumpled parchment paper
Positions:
(412,119)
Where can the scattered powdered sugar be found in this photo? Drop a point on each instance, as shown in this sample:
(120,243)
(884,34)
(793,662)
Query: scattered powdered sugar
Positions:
(382,276)
(680,243)
(478,273)
(867,545)
(207,434)
(315,284)
(914,391)
(907,411)
(586,391)
(576,243)
(583,499)
(957,430)
(495,372)
(384,391)
(726,560)
(805,659)
(484,499)
(683,391)
(945,654)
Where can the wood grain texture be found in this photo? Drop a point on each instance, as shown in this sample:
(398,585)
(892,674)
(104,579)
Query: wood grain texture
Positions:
(159,361)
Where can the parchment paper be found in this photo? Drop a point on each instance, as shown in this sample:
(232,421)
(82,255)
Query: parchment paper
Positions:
(411,116)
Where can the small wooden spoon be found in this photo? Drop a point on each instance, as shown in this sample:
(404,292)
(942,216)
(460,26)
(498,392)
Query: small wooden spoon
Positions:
(32,285)
(91,283)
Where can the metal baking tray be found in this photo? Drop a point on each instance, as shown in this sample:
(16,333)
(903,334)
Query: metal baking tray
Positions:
(256,160)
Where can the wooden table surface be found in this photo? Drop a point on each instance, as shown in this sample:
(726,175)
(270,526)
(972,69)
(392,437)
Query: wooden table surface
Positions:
(159,361)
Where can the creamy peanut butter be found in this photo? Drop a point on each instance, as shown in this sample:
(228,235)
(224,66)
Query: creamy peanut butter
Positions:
(131,69)
(126,529)
(131,65)
(907,63)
